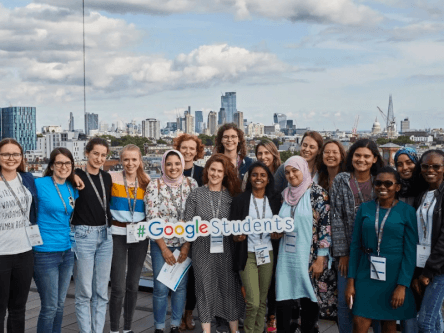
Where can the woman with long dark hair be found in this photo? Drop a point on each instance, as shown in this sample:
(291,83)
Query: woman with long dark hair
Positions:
(218,287)
(19,210)
(349,190)
(54,260)
(330,163)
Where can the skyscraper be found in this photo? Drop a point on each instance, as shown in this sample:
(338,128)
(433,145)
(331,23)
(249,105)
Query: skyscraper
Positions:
(71,122)
(189,124)
(222,116)
(281,119)
(199,122)
(151,128)
(228,103)
(405,125)
(238,119)
(19,123)
(91,122)
(212,122)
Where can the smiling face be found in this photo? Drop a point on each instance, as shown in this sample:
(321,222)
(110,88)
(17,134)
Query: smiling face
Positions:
(265,156)
(188,150)
(130,161)
(405,166)
(309,149)
(62,167)
(363,159)
(259,178)
(97,156)
(293,175)
(173,166)
(432,176)
(384,191)
(332,155)
(230,140)
(10,157)
(216,173)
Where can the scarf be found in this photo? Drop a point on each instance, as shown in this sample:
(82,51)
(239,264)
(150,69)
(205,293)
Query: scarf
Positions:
(292,194)
(408,186)
(168,181)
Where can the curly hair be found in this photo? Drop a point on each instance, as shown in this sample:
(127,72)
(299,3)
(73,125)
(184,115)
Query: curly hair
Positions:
(200,147)
(322,168)
(5,141)
(241,146)
(231,179)
(271,147)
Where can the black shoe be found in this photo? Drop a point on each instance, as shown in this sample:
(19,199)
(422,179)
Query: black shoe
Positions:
(174,329)
(158,330)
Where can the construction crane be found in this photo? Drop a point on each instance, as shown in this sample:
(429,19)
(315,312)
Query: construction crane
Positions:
(391,125)
(354,136)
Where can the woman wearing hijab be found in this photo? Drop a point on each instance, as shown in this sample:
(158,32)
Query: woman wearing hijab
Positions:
(165,198)
(303,253)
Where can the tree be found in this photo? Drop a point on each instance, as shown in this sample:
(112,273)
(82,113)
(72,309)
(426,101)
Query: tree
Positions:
(285,155)
(207,140)
(161,142)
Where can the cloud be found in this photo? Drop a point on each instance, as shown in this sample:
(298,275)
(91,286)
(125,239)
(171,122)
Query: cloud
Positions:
(422,78)
(343,12)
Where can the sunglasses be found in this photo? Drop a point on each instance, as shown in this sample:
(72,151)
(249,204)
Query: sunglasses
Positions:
(426,167)
(386,183)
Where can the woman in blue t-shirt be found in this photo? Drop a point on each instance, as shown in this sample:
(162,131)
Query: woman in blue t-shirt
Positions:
(54,260)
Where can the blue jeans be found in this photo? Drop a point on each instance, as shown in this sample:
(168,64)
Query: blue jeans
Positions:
(429,317)
(52,275)
(409,326)
(160,292)
(345,315)
(94,252)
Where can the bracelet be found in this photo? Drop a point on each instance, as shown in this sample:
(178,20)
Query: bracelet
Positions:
(164,250)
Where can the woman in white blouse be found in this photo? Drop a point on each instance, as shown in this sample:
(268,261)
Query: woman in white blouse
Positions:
(165,198)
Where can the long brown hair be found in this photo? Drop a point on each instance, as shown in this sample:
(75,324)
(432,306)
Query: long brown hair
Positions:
(319,140)
(141,175)
(322,168)
(231,179)
(241,146)
(56,152)
(271,147)
(5,141)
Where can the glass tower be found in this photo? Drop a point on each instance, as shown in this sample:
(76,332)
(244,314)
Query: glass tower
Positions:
(19,123)
(198,127)
(228,102)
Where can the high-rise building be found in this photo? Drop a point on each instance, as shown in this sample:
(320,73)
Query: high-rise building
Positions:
(289,123)
(19,123)
(171,126)
(189,124)
(238,119)
(91,122)
(199,122)
(71,122)
(151,128)
(222,117)
(228,103)
(281,119)
(405,125)
(212,122)
(103,126)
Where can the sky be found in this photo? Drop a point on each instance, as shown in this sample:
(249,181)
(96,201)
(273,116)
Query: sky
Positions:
(322,63)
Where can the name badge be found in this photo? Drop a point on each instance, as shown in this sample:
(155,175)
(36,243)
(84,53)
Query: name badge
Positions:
(377,268)
(422,254)
(131,233)
(33,233)
(290,242)
(217,244)
(262,254)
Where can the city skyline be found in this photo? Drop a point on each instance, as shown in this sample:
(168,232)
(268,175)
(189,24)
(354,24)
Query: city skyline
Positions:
(148,59)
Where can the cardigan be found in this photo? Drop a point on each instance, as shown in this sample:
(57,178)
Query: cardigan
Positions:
(28,182)
(240,207)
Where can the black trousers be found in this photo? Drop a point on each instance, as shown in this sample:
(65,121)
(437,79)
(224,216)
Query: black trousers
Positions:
(271,297)
(191,291)
(15,280)
(309,315)
(125,284)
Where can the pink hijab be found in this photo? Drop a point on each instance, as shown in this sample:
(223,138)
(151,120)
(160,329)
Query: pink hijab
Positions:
(292,194)
(172,182)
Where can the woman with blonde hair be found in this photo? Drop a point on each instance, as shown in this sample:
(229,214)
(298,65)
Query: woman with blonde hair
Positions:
(127,207)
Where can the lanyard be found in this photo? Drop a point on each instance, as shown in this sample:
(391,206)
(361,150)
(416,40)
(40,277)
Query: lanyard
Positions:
(174,202)
(361,196)
(380,231)
(257,209)
(61,198)
(216,213)
(103,199)
(424,224)
(192,171)
(128,196)
(15,195)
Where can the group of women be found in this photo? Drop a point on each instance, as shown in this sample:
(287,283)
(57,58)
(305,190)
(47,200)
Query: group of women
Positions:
(367,245)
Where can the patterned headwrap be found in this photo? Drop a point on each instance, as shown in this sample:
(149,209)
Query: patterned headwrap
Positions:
(410,152)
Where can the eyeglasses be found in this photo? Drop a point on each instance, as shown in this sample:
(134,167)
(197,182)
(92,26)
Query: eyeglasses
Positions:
(7,156)
(60,164)
(227,137)
(386,183)
(331,152)
(426,167)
